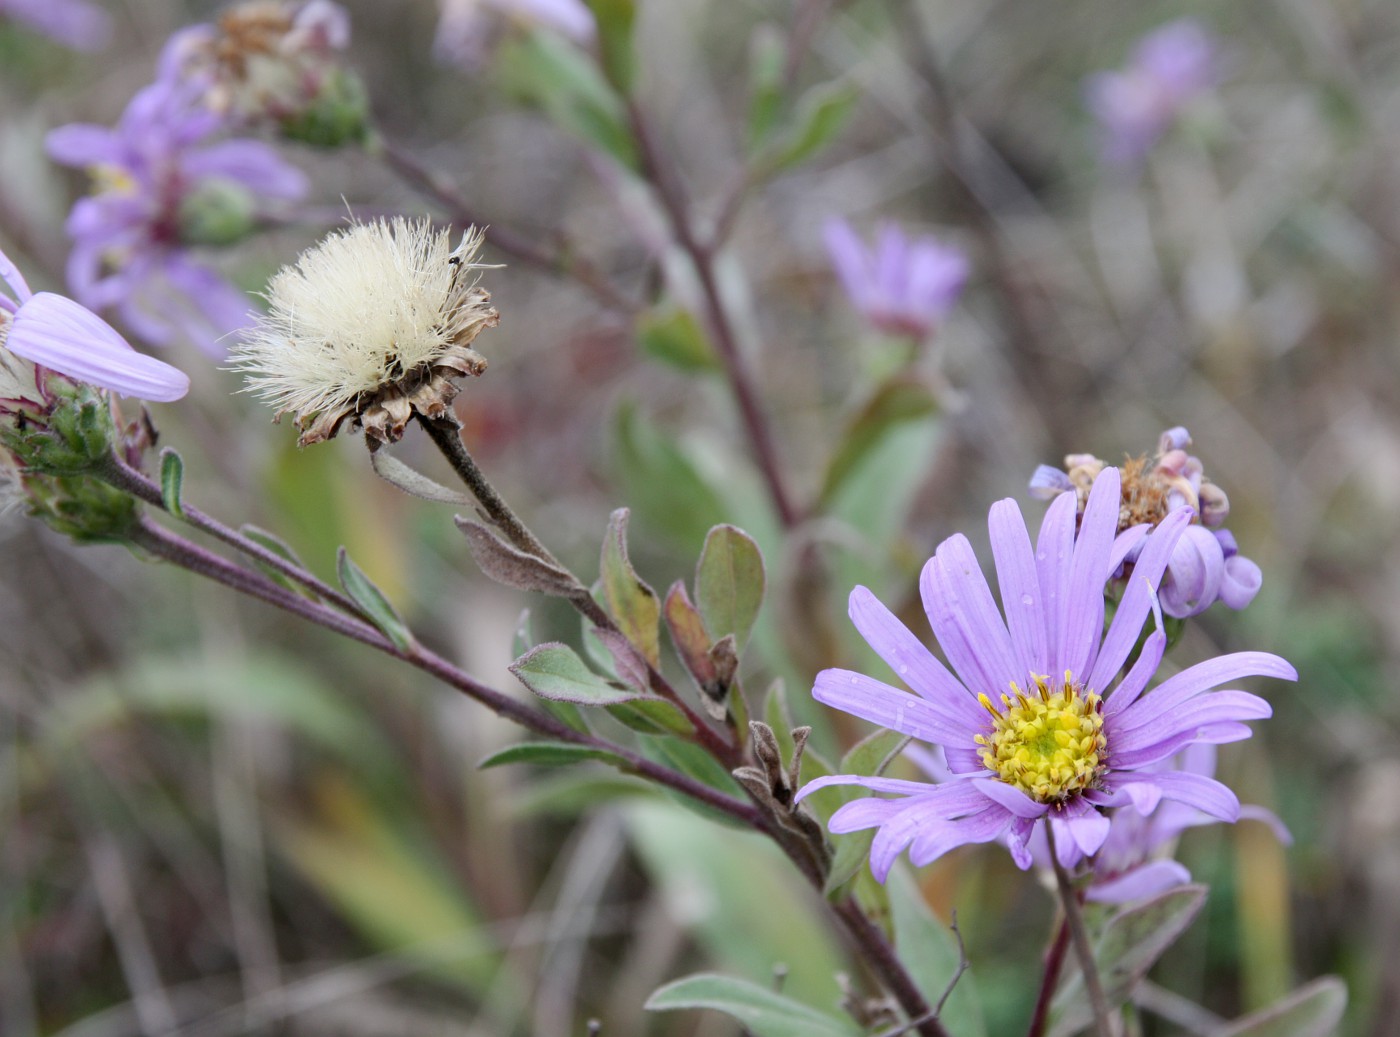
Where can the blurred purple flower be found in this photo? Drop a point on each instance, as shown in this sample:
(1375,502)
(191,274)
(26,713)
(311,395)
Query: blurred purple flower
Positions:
(56,333)
(1168,68)
(903,286)
(1059,753)
(468,29)
(73,23)
(1206,566)
(162,186)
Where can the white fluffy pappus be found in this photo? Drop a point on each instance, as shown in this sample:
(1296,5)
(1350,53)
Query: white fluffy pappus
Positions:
(377,315)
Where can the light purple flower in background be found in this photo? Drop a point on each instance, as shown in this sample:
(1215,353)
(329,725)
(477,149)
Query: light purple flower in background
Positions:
(73,23)
(57,334)
(1133,861)
(901,285)
(163,185)
(1081,740)
(469,29)
(1168,68)
(1206,566)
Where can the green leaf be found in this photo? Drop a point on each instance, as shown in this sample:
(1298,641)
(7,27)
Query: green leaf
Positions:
(763,1012)
(633,605)
(1313,1010)
(372,601)
(663,486)
(614,19)
(767,61)
(271,543)
(929,950)
(549,754)
(1129,944)
(900,400)
(674,337)
(507,564)
(545,70)
(821,113)
(554,671)
(653,716)
(413,482)
(172,478)
(729,583)
(695,762)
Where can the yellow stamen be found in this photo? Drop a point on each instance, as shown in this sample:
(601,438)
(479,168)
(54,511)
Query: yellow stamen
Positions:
(1051,744)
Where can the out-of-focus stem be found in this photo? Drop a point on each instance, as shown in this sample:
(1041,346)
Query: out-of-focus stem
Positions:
(1050,978)
(447,437)
(1079,936)
(512,243)
(881,958)
(673,202)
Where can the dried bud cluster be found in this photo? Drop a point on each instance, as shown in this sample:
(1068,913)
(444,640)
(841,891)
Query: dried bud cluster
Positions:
(372,325)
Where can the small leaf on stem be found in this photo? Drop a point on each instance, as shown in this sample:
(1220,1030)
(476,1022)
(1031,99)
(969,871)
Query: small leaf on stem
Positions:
(511,566)
(632,604)
(729,583)
(554,671)
(172,478)
(372,602)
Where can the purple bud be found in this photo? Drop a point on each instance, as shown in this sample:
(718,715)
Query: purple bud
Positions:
(1194,574)
(1241,581)
(1048,483)
(1174,439)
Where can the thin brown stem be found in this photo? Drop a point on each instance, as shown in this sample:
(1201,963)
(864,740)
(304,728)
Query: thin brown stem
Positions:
(173,548)
(881,957)
(1079,936)
(561,261)
(672,198)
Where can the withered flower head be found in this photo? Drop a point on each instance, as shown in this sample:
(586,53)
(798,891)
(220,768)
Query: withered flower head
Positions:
(373,324)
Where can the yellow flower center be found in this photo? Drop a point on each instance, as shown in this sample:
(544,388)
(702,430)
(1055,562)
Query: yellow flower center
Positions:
(111,179)
(1050,743)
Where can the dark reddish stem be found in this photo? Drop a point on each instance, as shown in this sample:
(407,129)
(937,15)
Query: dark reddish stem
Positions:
(1054,964)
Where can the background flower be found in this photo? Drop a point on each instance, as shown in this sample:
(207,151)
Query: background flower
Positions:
(73,23)
(902,285)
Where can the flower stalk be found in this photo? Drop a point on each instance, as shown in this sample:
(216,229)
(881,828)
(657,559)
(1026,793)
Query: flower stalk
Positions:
(1079,936)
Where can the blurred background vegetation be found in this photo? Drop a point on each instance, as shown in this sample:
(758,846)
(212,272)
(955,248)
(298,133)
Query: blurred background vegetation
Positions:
(216,822)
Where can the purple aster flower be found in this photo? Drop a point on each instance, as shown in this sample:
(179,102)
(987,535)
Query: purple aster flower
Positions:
(73,23)
(1023,746)
(903,286)
(275,63)
(1206,566)
(46,332)
(469,29)
(1168,68)
(162,186)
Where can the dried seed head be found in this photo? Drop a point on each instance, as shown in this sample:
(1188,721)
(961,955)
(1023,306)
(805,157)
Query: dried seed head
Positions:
(373,325)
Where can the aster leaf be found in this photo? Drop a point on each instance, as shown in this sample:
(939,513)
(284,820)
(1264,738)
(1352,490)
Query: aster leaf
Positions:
(821,114)
(673,336)
(897,401)
(547,71)
(554,671)
(767,61)
(763,1011)
(929,950)
(509,565)
(688,635)
(1313,1010)
(172,478)
(372,602)
(268,542)
(549,754)
(1127,946)
(652,716)
(413,482)
(729,583)
(695,762)
(632,604)
(614,19)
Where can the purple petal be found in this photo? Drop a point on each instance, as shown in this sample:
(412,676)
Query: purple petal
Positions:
(1144,881)
(1048,483)
(876,784)
(937,836)
(881,704)
(1054,548)
(66,337)
(1083,609)
(1086,826)
(869,812)
(251,163)
(1138,598)
(898,832)
(1011,799)
(1020,587)
(915,664)
(84,144)
(965,619)
(1215,708)
(1126,545)
(1132,685)
(1202,677)
(1197,791)
(847,254)
(1249,812)
(1241,581)
(14,279)
(1193,575)
(73,23)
